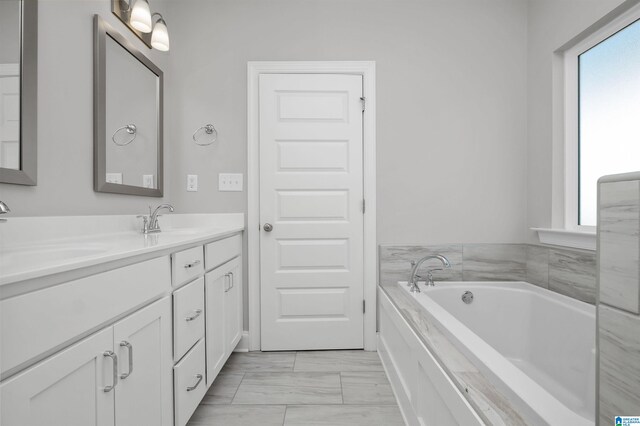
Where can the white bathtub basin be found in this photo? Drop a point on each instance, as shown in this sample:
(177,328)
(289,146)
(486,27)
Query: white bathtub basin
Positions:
(534,344)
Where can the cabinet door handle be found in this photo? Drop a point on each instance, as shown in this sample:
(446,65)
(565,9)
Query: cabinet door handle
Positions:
(127,345)
(199,377)
(114,382)
(192,264)
(196,314)
(233,281)
(226,289)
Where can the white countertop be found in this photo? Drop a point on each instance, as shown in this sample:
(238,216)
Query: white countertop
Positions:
(33,247)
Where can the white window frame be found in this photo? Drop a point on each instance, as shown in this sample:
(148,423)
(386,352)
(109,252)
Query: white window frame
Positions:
(572,108)
(566,230)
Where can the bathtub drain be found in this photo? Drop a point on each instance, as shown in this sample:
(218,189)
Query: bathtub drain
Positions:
(467,297)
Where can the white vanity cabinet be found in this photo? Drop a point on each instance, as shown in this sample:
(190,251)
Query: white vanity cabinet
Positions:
(129,345)
(65,389)
(223,291)
(142,342)
(120,375)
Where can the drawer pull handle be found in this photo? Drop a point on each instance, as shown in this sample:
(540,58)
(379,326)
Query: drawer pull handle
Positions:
(199,377)
(114,357)
(127,345)
(194,316)
(192,264)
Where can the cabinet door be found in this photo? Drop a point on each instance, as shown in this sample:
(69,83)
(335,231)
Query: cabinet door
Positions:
(66,389)
(217,282)
(144,395)
(233,305)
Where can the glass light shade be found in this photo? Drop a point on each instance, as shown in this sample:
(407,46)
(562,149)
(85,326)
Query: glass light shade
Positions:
(141,16)
(160,36)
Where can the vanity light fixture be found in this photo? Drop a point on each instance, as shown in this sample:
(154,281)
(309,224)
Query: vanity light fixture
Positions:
(160,34)
(151,28)
(140,15)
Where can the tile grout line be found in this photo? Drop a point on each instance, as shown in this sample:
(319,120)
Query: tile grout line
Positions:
(238,388)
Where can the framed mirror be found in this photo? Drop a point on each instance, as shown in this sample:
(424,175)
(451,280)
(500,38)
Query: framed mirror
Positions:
(128,94)
(18,91)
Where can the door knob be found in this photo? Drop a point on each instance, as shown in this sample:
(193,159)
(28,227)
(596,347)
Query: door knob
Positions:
(268,227)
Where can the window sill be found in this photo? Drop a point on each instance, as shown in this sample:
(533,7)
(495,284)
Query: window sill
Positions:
(565,238)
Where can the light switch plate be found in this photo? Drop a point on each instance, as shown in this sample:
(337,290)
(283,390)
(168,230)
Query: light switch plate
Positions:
(147,181)
(192,183)
(114,178)
(230,181)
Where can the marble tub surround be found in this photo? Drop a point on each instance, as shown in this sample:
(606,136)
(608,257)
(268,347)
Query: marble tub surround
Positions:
(491,404)
(35,247)
(619,296)
(619,237)
(566,271)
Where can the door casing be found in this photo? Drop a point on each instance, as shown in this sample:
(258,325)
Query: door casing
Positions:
(367,69)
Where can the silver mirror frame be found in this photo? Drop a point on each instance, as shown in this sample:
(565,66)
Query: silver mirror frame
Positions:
(28,172)
(102,30)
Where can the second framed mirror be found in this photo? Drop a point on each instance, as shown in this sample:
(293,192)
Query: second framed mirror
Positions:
(128,129)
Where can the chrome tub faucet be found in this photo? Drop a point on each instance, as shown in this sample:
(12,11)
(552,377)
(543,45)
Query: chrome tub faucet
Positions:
(413,278)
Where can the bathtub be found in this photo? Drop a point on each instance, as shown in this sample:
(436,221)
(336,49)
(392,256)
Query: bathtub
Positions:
(534,345)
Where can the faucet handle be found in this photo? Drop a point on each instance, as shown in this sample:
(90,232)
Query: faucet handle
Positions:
(145,222)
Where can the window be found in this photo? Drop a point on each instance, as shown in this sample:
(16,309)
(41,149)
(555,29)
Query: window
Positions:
(602,116)
(609,114)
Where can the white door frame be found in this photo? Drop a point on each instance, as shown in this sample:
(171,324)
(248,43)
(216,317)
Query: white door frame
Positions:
(367,69)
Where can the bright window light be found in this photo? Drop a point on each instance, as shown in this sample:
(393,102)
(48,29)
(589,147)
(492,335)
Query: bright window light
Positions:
(609,114)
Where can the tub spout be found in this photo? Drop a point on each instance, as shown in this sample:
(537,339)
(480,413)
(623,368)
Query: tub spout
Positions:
(413,279)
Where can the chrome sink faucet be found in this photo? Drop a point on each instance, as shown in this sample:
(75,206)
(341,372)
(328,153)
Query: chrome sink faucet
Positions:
(4,209)
(413,278)
(150,224)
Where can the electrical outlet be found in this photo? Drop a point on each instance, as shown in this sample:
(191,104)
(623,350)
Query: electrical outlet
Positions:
(114,178)
(147,181)
(192,183)
(230,182)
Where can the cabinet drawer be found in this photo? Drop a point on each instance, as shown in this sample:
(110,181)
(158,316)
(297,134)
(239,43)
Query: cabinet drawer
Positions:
(189,383)
(188,317)
(221,251)
(187,265)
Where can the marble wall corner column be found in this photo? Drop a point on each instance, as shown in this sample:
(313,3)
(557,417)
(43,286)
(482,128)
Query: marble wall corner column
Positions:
(619,297)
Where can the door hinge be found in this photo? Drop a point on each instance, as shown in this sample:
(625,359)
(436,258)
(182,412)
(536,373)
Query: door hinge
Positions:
(364,308)
(364,101)
(363,206)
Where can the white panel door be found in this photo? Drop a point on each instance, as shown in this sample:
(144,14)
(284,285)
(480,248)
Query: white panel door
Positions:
(311,189)
(10,116)
(144,395)
(67,389)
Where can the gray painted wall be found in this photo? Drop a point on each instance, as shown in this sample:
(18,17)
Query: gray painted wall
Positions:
(451,87)
(551,24)
(9,31)
(65,116)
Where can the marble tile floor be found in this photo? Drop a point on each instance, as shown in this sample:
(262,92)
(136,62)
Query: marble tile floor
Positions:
(324,388)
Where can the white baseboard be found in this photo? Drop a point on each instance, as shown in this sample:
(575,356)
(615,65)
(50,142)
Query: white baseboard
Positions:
(243,344)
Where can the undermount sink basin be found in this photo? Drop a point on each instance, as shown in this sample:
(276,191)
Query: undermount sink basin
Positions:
(50,253)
